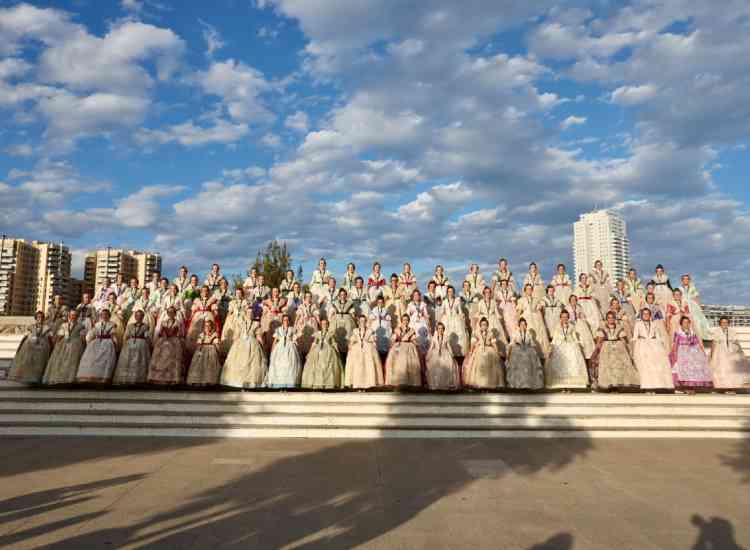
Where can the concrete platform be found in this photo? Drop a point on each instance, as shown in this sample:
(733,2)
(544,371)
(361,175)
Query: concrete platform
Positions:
(187,493)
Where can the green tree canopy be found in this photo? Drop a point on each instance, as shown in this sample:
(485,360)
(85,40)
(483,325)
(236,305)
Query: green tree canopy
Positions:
(273,263)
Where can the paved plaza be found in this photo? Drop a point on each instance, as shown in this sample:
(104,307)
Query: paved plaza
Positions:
(83,493)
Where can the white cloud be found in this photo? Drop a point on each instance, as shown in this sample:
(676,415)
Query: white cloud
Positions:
(141,209)
(240,87)
(299,121)
(571,121)
(271,141)
(20,150)
(212,37)
(189,134)
(633,95)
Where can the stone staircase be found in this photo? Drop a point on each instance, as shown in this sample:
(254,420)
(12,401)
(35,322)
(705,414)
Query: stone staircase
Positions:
(8,345)
(112,412)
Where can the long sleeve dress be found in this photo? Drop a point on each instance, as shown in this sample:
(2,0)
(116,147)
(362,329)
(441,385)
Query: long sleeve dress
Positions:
(454,320)
(342,323)
(563,287)
(530,308)
(32,356)
(236,312)
(524,369)
(319,284)
(504,276)
(246,365)
(729,364)
(483,367)
(364,369)
(552,309)
(381,325)
(476,285)
(403,366)
(100,358)
(601,287)
(590,305)
(615,368)
(419,321)
(566,366)
(167,366)
(690,367)
(135,357)
(662,290)
(506,300)
(205,367)
(650,357)
(306,324)
(491,311)
(537,284)
(66,355)
(285,367)
(675,312)
(273,311)
(202,310)
(323,369)
(582,327)
(442,371)
(701,326)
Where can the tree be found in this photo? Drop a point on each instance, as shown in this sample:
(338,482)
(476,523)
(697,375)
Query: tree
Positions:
(273,263)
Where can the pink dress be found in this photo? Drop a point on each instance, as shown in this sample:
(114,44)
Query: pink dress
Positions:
(507,302)
(689,362)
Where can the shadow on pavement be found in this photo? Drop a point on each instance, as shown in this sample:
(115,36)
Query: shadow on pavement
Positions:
(562,541)
(739,460)
(714,534)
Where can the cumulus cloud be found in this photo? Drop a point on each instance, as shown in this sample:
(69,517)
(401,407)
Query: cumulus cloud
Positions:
(571,121)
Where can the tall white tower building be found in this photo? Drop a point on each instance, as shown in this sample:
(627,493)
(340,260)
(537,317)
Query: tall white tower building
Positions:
(601,235)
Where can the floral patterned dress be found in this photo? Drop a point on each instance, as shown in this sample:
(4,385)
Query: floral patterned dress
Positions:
(31,358)
(66,356)
(442,371)
(168,358)
(524,370)
(690,367)
(363,366)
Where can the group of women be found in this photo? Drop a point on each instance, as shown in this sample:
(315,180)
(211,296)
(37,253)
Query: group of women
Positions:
(372,332)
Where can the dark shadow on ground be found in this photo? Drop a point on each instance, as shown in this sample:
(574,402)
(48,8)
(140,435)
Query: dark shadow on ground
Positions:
(714,534)
(739,460)
(561,541)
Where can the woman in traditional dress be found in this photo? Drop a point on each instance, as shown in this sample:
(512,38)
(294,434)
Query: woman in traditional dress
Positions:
(273,310)
(634,291)
(552,308)
(182,280)
(621,295)
(506,300)
(204,309)
(376,282)
(566,366)
(172,299)
(483,368)
(261,292)
(205,367)
(677,308)
(562,283)
(468,299)
(364,369)
(119,286)
(249,283)
(326,300)
(434,305)
(102,293)
(441,372)
(66,355)
(87,313)
(341,316)
(729,364)
(532,309)
(441,282)
(100,358)
(534,279)
(601,286)
(476,282)
(167,363)
(286,285)
(663,288)
(33,353)
(191,293)
(161,291)
(381,325)
(658,319)
(701,326)
(135,357)
(524,369)
(323,369)
(213,277)
(403,366)
(503,274)
(591,308)
(581,326)
(57,314)
(690,367)
(649,355)
(146,304)
(245,365)
(615,368)
(238,309)
(487,308)
(360,297)
(306,323)
(454,320)
(294,299)
(350,278)
(116,316)
(622,317)
(285,367)
(222,297)
(407,282)
(395,301)
(419,321)
(319,280)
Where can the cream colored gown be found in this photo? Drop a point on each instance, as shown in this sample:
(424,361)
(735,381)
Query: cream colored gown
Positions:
(363,367)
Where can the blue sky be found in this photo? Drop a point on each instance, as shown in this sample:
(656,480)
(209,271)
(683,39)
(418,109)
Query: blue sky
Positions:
(429,131)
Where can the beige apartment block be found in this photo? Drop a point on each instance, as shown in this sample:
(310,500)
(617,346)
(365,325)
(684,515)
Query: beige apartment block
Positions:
(18,276)
(148,263)
(53,272)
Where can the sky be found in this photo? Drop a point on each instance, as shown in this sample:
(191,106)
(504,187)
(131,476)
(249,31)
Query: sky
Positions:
(411,130)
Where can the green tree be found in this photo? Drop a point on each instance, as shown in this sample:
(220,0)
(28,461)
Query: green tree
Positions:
(273,263)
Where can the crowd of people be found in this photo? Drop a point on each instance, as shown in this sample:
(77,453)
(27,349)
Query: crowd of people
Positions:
(377,332)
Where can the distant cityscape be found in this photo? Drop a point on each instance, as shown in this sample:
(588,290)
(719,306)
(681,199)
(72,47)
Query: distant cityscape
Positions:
(33,272)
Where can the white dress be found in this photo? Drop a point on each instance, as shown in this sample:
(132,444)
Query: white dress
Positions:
(419,323)
(530,308)
(100,358)
(650,357)
(285,368)
(730,367)
(566,367)
(455,327)
(380,325)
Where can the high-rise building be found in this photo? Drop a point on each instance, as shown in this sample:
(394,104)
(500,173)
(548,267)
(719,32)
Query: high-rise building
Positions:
(601,235)
(75,292)
(53,272)
(148,263)
(107,262)
(18,273)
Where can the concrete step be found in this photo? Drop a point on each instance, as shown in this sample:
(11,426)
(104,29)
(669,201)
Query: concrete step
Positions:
(299,414)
